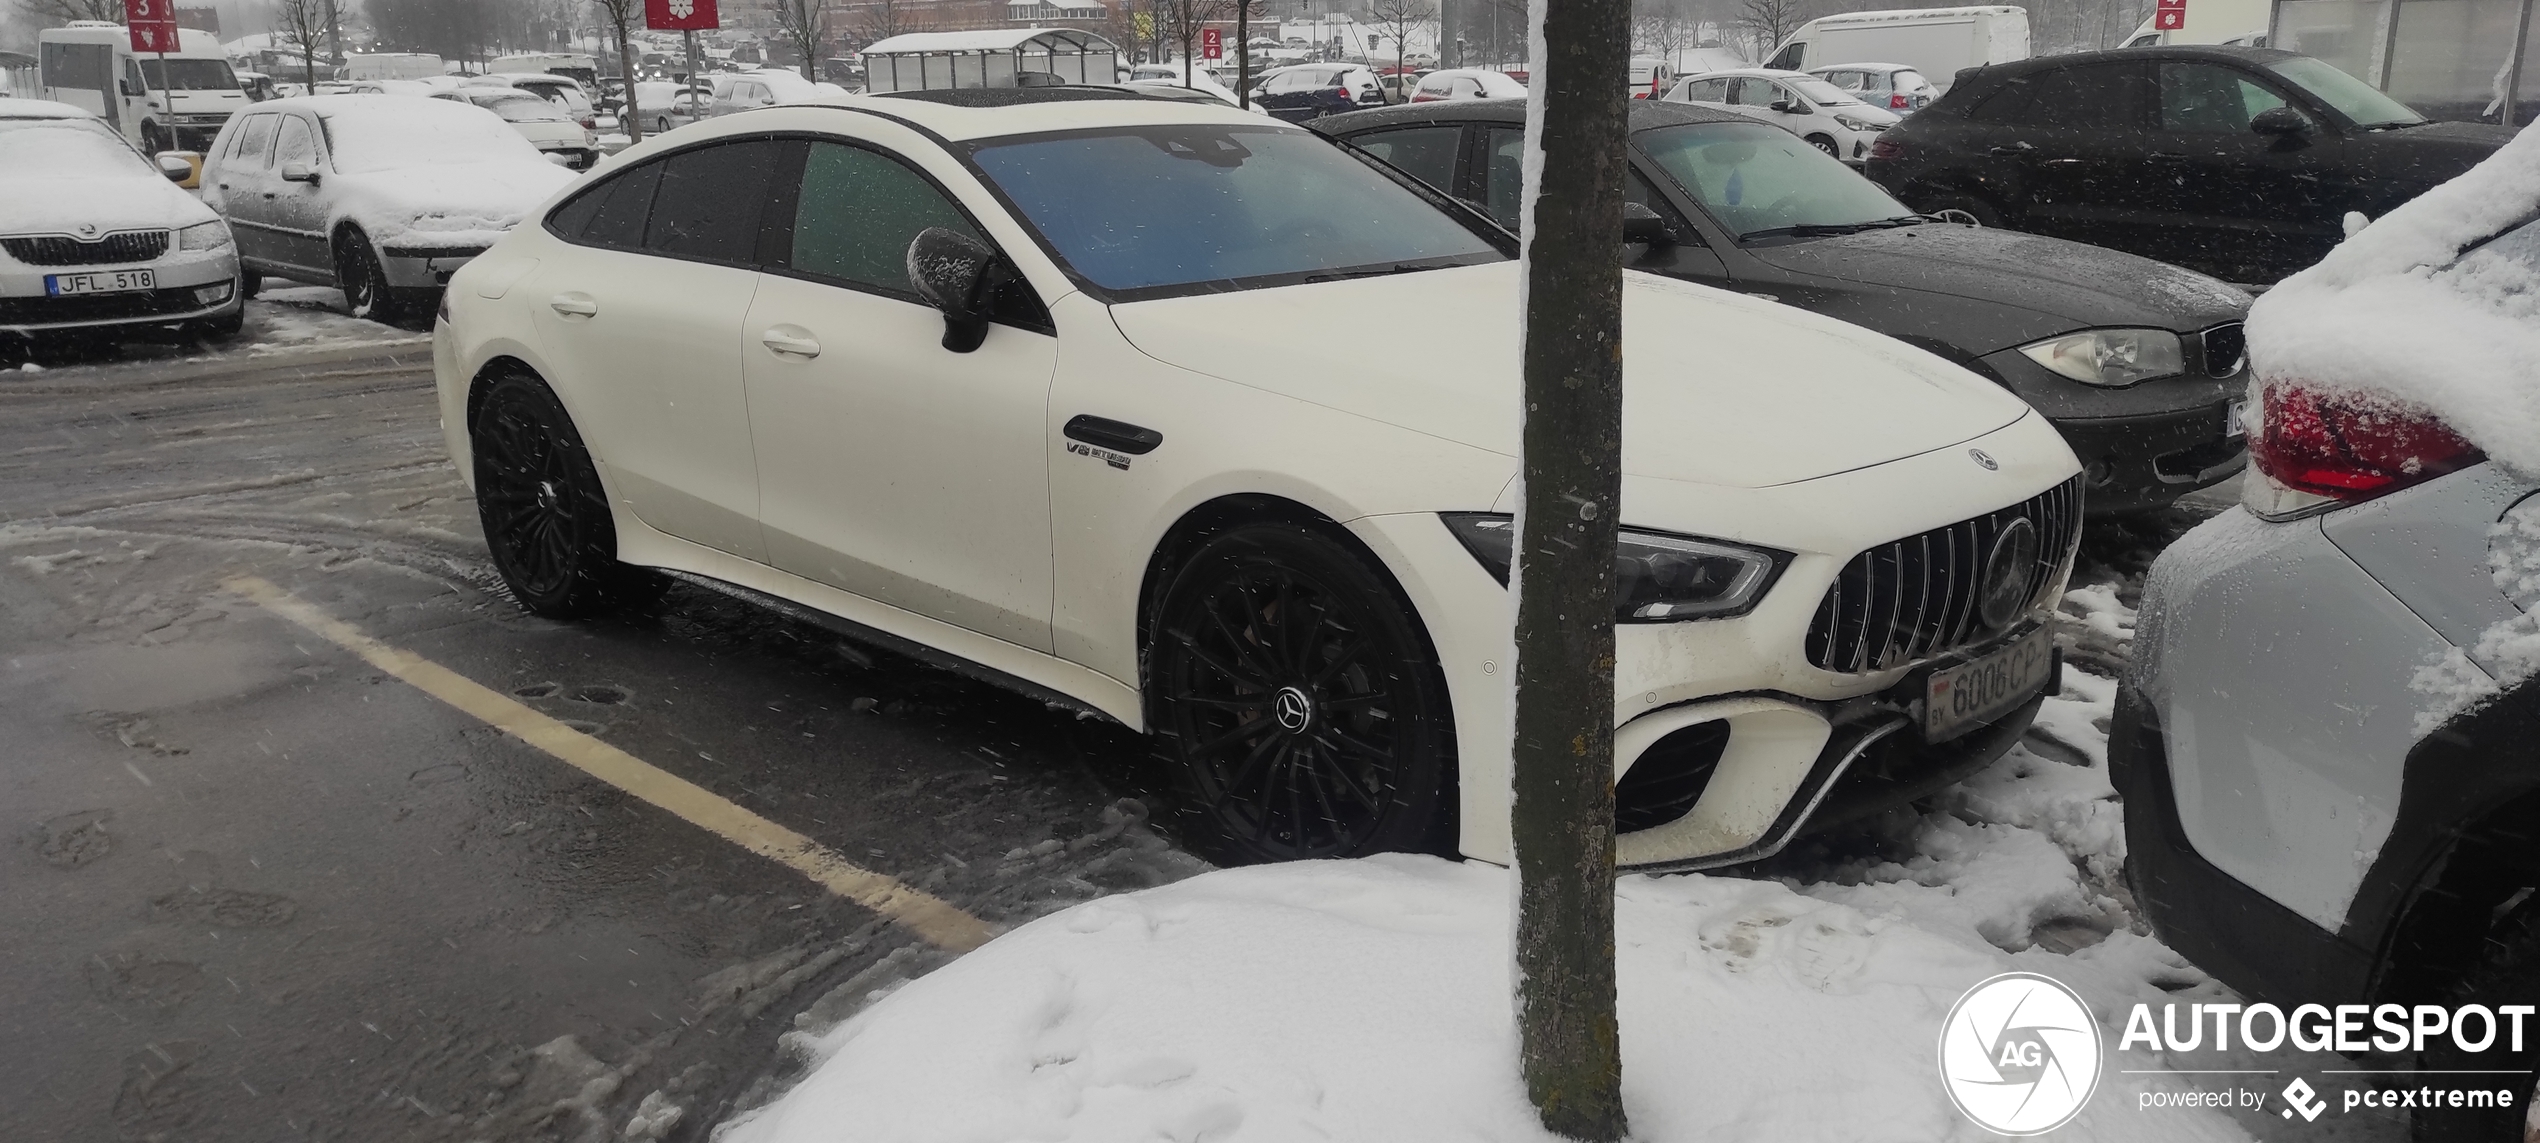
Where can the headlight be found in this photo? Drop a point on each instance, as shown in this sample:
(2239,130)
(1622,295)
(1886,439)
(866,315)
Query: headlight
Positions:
(1657,577)
(1849,123)
(2111,357)
(213,235)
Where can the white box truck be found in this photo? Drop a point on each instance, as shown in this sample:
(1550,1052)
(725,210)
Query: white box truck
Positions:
(1937,42)
(178,105)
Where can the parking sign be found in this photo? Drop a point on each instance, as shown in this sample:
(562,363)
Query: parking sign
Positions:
(152,24)
(681,15)
(2169,19)
(1212,44)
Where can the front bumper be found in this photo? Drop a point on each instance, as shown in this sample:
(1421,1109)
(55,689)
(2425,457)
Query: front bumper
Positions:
(424,268)
(184,279)
(2137,463)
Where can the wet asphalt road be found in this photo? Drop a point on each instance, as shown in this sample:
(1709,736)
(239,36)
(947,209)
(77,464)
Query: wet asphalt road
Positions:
(260,891)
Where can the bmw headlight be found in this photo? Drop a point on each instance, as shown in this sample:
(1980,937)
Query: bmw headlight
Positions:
(213,235)
(2111,357)
(1658,577)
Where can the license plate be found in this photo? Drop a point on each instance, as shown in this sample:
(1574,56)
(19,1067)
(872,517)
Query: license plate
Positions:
(2232,414)
(100,282)
(1961,698)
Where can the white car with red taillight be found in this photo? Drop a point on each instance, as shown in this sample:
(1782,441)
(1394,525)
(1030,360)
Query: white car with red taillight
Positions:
(2329,744)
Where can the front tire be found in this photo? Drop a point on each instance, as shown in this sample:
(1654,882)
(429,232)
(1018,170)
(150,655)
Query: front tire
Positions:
(1297,703)
(1985,213)
(364,281)
(545,515)
(1826,144)
(2508,974)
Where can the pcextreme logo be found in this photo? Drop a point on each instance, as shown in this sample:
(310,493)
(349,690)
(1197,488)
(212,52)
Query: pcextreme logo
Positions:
(2020,1054)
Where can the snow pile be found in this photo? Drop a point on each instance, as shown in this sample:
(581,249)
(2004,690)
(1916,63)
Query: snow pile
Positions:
(1370,999)
(2391,312)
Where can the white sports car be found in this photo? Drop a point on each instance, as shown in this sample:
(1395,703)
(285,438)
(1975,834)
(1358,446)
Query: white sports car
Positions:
(1196,420)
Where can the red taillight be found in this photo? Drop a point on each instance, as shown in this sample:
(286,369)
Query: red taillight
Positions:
(2349,446)
(1897,102)
(1886,149)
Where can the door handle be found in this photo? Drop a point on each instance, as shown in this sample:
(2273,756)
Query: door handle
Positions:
(785,339)
(1136,440)
(574,305)
(2010,150)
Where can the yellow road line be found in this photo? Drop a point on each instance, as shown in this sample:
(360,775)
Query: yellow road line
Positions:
(938,921)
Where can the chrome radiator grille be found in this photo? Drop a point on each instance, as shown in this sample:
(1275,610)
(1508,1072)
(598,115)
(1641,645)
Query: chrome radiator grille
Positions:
(1911,599)
(113,249)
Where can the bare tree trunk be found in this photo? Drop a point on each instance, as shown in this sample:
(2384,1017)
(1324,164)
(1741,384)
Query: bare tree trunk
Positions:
(630,118)
(1562,821)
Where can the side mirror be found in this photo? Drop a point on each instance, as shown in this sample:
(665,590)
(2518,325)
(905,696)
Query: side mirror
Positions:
(2282,122)
(299,172)
(1641,224)
(125,86)
(1780,105)
(175,167)
(958,275)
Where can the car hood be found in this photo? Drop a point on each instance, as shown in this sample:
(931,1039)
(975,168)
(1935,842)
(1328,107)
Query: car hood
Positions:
(138,201)
(1718,388)
(2031,286)
(470,204)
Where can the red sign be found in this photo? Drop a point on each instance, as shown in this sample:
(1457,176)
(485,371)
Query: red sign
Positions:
(152,24)
(1212,44)
(681,15)
(2168,19)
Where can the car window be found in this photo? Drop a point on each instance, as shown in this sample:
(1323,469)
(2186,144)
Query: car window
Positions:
(1847,80)
(2209,99)
(1424,153)
(1207,207)
(1708,90)
(295,144)
(2352,97)
(1504,177)
(1748,91)
(611,214)
(1756,177)
(707,207)
(858,212)
(254,143)
(2103,96)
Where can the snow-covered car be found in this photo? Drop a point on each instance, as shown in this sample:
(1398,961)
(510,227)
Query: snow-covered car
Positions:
(1086,409)
(765,87)
(383,195)
(1896,87)
(562,90)
(1795,101)
(662,104)
(1171,75)
(549,126)
(1466,83)
(2325,741)
(95,238)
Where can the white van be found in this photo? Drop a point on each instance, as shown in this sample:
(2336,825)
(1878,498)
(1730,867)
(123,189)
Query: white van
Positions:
(390,65)
(177,106)
(1937,42)
(2241,23)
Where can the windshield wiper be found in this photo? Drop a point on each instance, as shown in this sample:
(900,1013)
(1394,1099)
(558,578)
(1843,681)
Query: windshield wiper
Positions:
(1373,271)
(1829,229)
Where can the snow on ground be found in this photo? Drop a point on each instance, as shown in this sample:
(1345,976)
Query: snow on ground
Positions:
(290,317)
(1370,999)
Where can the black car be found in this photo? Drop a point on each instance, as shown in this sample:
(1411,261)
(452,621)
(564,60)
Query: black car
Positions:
(1312,91)
(2139,364)
(2240,162)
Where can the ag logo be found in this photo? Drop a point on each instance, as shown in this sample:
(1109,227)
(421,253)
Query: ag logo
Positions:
(2020,1054)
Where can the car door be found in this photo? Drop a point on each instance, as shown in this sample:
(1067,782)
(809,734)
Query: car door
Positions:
(888,465)
(1428,152)
(643,323)
(296,211)
(242,178)
(2249,207)
(2071,155)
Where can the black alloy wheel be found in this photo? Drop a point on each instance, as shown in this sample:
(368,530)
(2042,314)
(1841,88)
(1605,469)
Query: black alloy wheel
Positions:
(545,515)
(1984,213)
(1298,703)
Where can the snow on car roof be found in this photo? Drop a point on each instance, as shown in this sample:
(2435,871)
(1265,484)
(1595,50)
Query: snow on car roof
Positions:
(2397,310)
(960,122)
(41,109)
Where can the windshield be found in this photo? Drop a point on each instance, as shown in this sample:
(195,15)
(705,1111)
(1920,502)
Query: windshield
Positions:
(1756,179)
(190,75)
(523,108)
(1152,208)
(1820,92)
(65,149)
(2352,97)
(407,134)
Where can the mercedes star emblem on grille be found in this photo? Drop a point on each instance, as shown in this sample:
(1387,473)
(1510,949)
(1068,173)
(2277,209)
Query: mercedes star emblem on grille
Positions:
(2009,574)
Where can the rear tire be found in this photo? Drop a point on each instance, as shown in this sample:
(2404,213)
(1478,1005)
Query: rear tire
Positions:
(1297,703)
(1985,213)
(2508,974)
(545,515)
